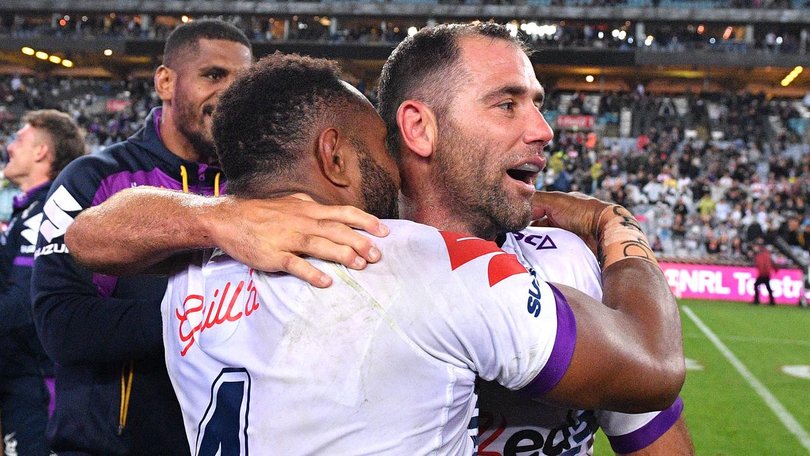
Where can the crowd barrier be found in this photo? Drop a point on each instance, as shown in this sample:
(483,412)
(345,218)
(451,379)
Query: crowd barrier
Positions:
(731,283)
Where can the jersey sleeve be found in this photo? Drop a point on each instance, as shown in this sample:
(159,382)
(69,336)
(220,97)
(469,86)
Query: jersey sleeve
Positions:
(487,313)
(76,319)
(629,433)
(558,256)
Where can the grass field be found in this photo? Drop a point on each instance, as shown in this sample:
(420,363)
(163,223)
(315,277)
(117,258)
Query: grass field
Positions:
(729,388)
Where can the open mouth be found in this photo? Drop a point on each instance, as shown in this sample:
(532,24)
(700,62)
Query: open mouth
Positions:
(525,173)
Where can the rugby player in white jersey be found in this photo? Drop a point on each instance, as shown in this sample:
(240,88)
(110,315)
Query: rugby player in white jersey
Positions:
(384,397)
(461,106)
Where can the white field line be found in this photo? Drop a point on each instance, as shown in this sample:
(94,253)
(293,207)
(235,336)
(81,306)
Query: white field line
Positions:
(759,340)
(771,401)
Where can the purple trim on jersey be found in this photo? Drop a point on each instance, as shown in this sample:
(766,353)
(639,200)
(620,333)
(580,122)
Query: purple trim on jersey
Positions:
(24,261)
(114,183)
(644,436)
(157,116)
(104,284)
(20,201)
(563,350)
(50,384)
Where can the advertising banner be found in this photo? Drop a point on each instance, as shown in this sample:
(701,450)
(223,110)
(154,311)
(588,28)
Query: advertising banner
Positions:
(578,122)
(730,283)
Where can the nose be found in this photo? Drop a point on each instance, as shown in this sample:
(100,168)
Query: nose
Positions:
(537,129)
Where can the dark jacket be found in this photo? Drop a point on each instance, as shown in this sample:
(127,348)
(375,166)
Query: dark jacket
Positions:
(21,354)
(113,395)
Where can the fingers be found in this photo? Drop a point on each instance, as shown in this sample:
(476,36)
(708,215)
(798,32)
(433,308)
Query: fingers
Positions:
(341,240)
(280,230)
(302,196)
(354,218)
(305,271)
(326,248)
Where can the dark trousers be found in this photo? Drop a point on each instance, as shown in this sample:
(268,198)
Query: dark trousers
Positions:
(762,280)
(24,404)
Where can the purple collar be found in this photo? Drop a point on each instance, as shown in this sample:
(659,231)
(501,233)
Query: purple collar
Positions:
(20,201)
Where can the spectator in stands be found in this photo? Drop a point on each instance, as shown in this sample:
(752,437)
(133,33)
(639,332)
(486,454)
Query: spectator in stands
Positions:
(706,207)
(765,269)
(113,393)
(46,143)
(792,231)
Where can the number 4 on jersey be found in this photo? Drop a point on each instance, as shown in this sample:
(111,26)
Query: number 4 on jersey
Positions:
(223,429)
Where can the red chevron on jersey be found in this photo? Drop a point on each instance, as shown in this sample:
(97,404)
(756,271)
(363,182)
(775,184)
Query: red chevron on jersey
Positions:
(463,249)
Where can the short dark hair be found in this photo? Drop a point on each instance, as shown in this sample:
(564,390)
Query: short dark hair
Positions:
(185,36)
(265,120)
(423,67)
(67,139)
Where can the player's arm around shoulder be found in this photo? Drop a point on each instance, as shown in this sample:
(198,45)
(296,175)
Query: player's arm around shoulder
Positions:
(150,229)
(634,336)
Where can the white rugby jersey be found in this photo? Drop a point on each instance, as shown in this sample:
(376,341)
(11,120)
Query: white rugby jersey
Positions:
(511,425)
(382,362)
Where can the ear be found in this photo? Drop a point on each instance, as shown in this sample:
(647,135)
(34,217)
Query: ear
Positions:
(43,152)
(165,79)
(334,158)
(418,127)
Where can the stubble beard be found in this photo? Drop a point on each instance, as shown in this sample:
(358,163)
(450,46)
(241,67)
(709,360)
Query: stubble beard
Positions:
(201,138)
(475,190)
(378,189)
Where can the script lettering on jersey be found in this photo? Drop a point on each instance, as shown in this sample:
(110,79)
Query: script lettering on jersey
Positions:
(229,304)
(463,249)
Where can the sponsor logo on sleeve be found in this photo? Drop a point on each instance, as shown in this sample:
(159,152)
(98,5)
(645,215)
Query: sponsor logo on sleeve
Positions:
(56,209)
(31,229)
(57,220)
(533,306)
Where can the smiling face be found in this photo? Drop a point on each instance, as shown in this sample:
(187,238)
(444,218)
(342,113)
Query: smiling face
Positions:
(200,78)
(491,138)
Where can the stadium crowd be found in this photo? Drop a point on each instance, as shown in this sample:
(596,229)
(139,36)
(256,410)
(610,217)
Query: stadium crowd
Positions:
(657,36)
(707,172)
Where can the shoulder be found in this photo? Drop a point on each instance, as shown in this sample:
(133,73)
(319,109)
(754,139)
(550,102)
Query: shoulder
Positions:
(408,237)
(545,242)
(117,157)
(557,256)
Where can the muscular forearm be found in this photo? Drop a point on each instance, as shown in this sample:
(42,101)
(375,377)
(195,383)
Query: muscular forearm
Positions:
(140,227)
(648,314)
(630,345)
